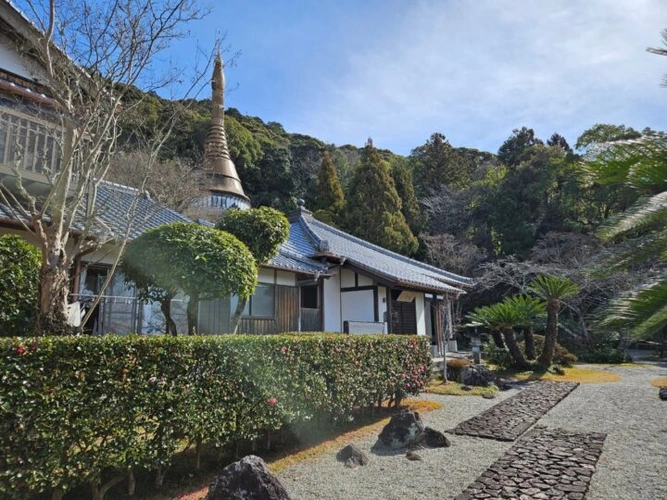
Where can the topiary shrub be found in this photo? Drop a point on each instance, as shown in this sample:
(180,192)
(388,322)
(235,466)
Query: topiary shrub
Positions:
(19,278)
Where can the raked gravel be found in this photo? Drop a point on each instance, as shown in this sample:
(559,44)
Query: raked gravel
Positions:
(632,464)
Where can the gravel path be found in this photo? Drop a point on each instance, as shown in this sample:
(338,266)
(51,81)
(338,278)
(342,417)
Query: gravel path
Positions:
(632,465)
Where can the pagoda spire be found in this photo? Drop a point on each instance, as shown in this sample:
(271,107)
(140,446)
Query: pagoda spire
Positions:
(224,180)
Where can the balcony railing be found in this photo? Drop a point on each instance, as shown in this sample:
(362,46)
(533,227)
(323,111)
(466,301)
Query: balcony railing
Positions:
(28,144)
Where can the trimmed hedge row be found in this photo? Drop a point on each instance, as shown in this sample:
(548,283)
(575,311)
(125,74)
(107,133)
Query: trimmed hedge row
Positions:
(75,407)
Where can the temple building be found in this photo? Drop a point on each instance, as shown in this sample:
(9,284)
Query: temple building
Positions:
(322,279)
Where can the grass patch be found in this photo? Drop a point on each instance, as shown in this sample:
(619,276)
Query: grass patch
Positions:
(455,389)
(659,382)
(331,439)
(575,374)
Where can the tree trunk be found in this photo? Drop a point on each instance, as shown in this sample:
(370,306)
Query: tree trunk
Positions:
(514,349)
(497,339)
(236,317)
(52,297)
(550,334)
(529,340)
(198,454)
(193,312)
(170,324)
(131,483)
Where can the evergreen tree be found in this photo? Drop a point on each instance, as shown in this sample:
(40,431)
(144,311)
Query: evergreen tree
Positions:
(437,163)
(512,152)
(557,140)
(374,207)
(329,197)
(406,192)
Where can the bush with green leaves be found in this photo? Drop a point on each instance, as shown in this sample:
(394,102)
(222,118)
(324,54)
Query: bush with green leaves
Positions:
(502,358)
(201,261)
(262,230)
(74,408)
(605,354)
(19,278)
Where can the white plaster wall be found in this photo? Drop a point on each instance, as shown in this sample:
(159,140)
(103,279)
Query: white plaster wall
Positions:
(12,62)
(347,279)
(331,303)
(266,275)
(357,306)
(364,281)
(382,305)
(421,316)
(285,278)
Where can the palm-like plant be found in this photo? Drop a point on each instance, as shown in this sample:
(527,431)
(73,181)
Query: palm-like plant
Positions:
(529,309)
(552,289)
(639,233)
(503,317)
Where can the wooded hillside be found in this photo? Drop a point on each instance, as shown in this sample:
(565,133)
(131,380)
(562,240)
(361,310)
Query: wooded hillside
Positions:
(530,208)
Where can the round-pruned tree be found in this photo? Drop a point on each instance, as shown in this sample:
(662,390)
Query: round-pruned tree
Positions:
(19,279)
(262,230)
(203,262)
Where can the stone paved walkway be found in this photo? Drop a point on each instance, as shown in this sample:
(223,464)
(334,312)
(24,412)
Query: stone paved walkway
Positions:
(544,464)
(510,418)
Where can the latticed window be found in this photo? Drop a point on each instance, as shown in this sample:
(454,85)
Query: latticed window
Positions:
(28,144)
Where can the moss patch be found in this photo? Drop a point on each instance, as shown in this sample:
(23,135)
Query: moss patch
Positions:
(455,389)
(575,374)
(659,382)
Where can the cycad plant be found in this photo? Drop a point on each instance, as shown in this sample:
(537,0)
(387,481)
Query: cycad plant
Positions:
(504,316)
(639,234)
(529,309)
(552,289)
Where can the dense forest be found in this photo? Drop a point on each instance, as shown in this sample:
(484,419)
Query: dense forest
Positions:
(533,207)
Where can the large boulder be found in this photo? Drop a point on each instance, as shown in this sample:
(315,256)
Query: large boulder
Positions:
(435,439)
(352,456)
(247,479)
(477,376)
(403,430)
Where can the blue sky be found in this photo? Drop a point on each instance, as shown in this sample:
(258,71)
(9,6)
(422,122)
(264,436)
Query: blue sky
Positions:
(399,70)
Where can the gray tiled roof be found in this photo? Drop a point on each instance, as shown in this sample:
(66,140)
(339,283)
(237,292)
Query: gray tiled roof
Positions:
(118,207)
(313,237)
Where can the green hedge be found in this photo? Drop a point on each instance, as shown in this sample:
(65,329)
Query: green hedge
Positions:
(75,407)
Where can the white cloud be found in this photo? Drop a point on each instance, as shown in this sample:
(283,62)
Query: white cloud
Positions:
(476,70)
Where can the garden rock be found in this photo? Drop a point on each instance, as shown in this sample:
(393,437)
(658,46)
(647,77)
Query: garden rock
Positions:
(352,456)
(403,430)
(663,393)
(435,439)
(466,388)
(477,376)
(411,455)
(504,385)
(489,395)
(247,479)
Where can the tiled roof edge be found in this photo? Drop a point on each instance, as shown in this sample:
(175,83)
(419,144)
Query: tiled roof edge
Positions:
(454,277)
